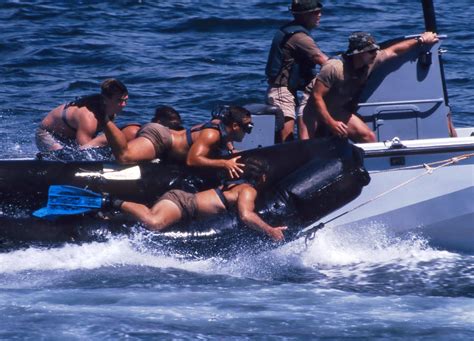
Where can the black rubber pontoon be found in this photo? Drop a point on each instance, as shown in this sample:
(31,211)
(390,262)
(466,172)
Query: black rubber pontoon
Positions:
(309,179)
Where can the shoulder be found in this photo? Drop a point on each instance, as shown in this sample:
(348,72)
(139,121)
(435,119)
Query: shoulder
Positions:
(246,189)
(301,39)
(82,114)
(333,64)
(209,135)
(331,70)
(382,56)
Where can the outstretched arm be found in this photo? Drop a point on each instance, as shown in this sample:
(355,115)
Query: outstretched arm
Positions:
(198,155)
(246,209)
(406,45)
(117,141)
(129,131)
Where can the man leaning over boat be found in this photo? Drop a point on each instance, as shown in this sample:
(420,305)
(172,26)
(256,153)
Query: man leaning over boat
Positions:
(201,146)
(179,206)
(341,80)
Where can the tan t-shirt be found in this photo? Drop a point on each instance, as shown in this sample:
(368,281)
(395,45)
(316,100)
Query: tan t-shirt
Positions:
(345,84)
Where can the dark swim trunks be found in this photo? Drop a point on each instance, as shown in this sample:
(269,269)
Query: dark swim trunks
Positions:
(185,201)
(158,135)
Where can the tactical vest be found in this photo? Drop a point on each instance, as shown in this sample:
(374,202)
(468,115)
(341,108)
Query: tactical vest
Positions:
(299,75)
(223,149)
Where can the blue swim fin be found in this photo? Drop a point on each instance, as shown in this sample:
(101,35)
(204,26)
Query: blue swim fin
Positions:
(69,200)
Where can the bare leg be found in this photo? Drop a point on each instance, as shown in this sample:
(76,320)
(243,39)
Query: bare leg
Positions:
(310,124)
(358,131)
(303,133)
(163,214)
(287,133)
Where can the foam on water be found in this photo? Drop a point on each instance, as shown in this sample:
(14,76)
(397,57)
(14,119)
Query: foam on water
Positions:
(331,249)
(370,245)
(115,252)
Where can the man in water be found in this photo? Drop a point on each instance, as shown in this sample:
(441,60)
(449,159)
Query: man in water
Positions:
(340,81)
(290,66)
(75,123)
(201,146)
(176,206)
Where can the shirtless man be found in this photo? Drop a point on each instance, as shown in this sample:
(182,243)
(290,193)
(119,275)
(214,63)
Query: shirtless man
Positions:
(199,146)
(75,124)
(164,115)
(176,205)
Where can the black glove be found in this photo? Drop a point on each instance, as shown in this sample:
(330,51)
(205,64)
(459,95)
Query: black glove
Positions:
(111,203)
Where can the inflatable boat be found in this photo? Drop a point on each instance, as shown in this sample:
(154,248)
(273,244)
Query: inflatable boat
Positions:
(307,180)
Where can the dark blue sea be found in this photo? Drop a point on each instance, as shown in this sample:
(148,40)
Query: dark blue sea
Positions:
(194,55)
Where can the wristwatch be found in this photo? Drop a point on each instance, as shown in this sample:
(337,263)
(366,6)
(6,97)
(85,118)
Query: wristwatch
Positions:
(420,40)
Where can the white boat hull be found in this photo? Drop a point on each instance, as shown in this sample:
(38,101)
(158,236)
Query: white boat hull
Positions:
(437,205)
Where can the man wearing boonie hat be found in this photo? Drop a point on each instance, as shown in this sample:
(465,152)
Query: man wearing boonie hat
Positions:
(340,81)
(291,62)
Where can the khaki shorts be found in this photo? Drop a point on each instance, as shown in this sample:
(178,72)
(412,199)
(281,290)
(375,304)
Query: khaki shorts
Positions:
(159,136)
(185,201)
(287,101)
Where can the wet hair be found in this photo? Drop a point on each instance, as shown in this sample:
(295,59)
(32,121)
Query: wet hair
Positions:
(94,103)
(254,169)
(111,87)
(235,114)
(167,116)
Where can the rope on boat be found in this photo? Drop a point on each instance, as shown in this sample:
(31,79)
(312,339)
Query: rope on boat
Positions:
(425,165)
(310,232)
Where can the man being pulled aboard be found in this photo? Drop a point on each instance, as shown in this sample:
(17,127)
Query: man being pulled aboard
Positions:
(177,206)
(75,123)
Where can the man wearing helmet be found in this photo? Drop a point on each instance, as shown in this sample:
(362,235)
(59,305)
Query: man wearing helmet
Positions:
(291,62)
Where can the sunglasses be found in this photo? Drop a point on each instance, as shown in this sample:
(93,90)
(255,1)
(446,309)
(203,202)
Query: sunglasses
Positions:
(247,128)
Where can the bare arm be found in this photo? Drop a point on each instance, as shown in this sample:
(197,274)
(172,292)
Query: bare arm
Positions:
(198,155)
(117,141)
(98,141)
(338,128)
(307,47)
(246,209)
(405,45)
(86,126)
(320,58)
(130,132)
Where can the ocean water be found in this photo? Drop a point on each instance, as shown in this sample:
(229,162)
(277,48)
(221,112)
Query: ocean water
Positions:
(193,55)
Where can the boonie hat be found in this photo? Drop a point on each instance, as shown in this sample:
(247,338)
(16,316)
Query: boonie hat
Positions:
(303,6)
(361,42)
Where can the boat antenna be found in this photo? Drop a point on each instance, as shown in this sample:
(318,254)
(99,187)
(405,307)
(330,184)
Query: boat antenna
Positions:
(430,16)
